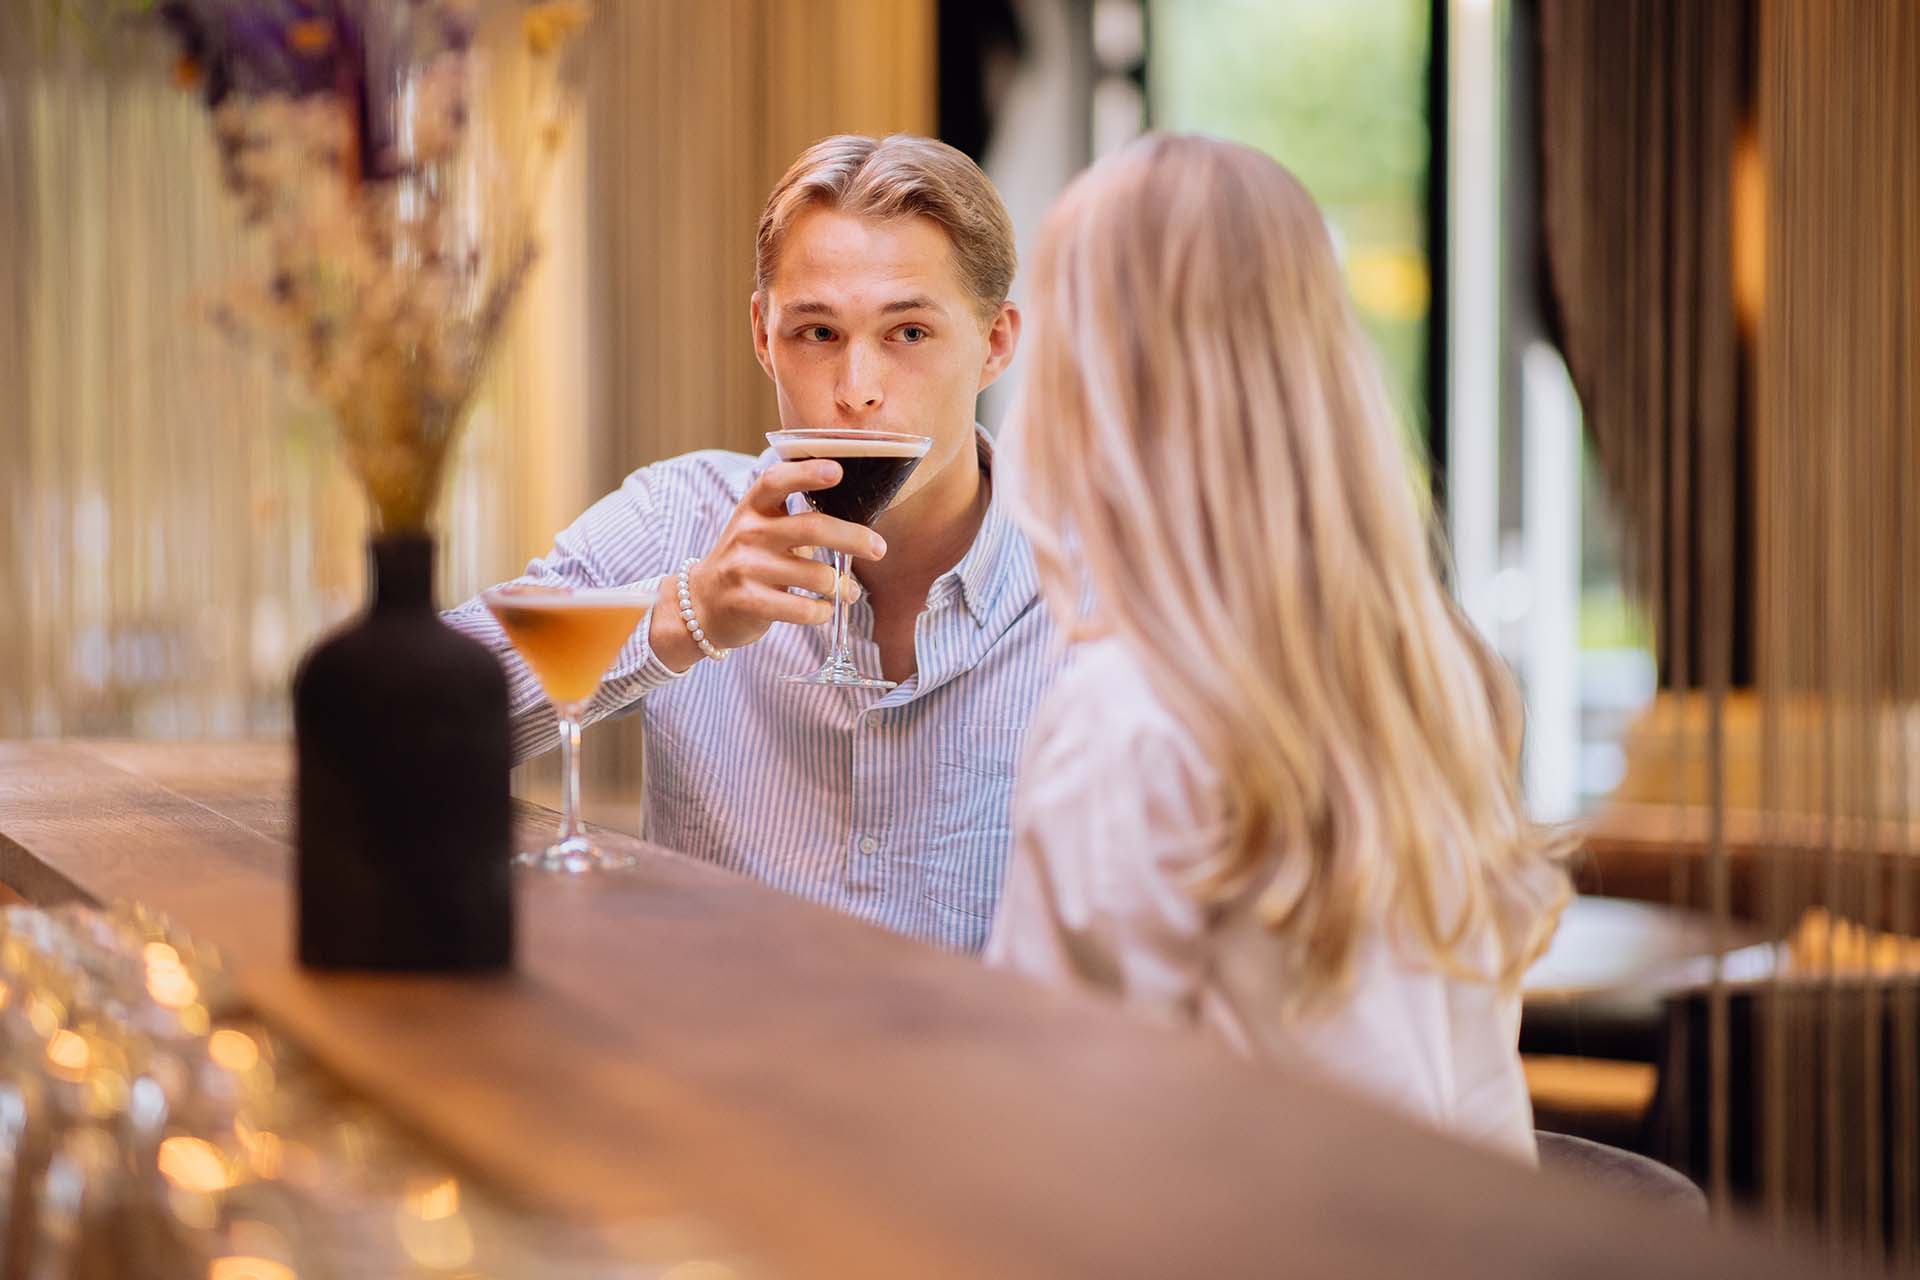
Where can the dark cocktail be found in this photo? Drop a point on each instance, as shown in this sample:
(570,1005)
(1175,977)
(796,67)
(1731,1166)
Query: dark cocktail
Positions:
(873,467)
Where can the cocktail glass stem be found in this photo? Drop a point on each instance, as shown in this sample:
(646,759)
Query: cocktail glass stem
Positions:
(569,717)
(841,652)
(573,850)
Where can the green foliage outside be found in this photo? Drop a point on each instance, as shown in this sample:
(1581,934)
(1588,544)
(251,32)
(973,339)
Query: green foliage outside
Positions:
(1336,91)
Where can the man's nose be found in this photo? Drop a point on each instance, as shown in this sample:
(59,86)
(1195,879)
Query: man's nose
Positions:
(859,391)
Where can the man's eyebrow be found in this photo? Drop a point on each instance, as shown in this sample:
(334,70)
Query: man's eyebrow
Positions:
(918,302)
(810,309)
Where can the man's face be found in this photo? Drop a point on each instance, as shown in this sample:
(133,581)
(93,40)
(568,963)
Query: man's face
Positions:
(867,326)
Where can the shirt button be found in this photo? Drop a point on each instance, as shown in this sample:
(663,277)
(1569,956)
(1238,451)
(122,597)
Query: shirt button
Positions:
(869,845)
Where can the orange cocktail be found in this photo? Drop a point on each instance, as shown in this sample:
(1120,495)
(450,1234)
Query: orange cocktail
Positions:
(569,637)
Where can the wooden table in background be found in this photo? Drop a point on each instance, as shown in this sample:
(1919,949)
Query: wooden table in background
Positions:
(847,1102)
(1661,853)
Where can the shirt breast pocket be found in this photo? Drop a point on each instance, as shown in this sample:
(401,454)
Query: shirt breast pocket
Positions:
(986,751)
(968,857)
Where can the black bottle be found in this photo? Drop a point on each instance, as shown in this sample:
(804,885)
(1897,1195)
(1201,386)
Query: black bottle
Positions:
(403,824)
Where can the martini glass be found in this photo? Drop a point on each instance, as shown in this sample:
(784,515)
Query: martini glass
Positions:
(569,636)
(873,467)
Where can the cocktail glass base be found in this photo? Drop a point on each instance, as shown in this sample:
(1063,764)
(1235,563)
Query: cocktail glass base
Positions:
(575,856)
(841,673)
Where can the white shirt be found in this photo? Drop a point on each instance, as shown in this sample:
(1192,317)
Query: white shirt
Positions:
(1111,811)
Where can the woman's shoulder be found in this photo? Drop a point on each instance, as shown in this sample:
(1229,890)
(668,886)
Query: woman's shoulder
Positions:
(1105,741)
(1103,707)
(1113,810)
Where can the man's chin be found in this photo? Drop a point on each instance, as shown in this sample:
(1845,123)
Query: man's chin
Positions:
(943,457)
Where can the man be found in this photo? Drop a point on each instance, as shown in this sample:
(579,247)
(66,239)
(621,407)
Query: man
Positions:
(880,303)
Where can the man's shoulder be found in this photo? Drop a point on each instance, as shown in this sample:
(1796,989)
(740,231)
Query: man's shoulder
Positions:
(719,476)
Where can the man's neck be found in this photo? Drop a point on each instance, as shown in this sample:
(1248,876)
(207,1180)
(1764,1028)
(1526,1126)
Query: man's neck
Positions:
(927,535)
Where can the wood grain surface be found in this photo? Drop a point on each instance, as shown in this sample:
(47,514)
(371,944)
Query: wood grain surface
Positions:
(844,1101)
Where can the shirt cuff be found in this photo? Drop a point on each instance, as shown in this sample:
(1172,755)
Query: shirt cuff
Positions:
(649,672)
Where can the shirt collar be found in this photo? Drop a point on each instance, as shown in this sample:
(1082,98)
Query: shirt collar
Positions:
(998,555)
(996,581)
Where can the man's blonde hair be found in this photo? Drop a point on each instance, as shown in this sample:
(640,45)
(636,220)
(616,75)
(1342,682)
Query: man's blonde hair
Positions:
(1202,429)
(898,176)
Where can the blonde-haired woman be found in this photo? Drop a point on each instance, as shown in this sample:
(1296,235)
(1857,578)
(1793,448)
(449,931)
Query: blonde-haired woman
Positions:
(1274,794)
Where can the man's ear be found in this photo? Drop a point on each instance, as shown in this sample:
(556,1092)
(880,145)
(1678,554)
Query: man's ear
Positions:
(756,313)
(1003,336)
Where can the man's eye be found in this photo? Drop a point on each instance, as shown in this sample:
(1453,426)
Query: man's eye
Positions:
(912,333)
(817,333)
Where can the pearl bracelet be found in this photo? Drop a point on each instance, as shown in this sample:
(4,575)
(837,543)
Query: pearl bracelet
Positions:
(687,616)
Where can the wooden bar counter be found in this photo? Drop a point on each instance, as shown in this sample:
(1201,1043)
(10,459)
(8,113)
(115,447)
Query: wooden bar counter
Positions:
(845,1102)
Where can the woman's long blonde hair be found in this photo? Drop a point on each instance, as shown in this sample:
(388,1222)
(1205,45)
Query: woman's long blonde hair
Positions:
(1203,443)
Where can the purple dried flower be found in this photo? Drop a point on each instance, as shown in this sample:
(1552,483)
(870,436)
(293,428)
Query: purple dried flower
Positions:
(456,29)
(295,47)
(347,140)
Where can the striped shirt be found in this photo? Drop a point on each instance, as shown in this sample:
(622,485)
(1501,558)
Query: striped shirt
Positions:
(892,808)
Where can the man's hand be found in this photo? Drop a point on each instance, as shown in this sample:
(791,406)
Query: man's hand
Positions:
(740,587)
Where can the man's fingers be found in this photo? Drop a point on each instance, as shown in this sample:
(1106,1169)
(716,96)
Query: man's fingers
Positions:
(777,483)
(783,571)
(783,606)
(812,529)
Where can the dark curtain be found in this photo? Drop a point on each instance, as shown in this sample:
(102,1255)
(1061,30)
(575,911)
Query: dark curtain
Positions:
(1839,347)
(1731,192)
(1641,102)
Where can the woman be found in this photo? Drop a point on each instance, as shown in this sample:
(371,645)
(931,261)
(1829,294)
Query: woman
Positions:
(1275,793)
